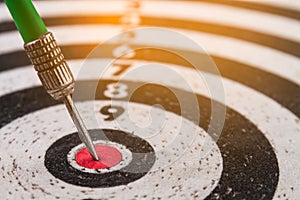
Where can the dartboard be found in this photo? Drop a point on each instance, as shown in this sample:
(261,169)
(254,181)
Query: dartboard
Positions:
(191,99)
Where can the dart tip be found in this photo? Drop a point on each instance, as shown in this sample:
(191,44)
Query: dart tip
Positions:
(82,130)
(93,153)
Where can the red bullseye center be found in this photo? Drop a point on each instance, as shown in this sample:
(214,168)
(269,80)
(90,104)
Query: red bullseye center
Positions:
(109,157)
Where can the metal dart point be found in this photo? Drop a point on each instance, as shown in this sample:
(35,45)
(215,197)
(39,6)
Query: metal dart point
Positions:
(82,131)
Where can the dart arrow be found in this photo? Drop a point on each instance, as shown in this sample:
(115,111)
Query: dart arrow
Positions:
(48,61)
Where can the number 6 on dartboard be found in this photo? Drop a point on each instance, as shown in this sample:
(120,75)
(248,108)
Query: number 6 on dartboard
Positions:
(111,111)
(116,90)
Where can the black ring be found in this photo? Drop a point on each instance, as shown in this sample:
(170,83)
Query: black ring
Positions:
(143,158)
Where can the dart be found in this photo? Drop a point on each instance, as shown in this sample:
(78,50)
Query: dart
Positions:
(48,61)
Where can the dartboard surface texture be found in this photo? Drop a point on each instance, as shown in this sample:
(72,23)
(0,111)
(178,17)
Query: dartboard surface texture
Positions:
(193,99)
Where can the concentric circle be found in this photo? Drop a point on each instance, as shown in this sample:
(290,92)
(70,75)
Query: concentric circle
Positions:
(187,171)
(113,156)
(143,158)
(238,144)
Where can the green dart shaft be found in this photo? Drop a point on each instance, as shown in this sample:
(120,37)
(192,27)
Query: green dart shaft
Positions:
(27,20)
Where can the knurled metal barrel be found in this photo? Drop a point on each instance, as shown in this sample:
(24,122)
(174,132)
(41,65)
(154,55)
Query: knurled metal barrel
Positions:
(51,67)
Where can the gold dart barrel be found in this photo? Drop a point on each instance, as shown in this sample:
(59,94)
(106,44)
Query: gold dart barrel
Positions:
(51,66)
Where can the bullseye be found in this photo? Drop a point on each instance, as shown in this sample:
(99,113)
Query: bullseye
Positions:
(109,157)
(130,158)
(113,156)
